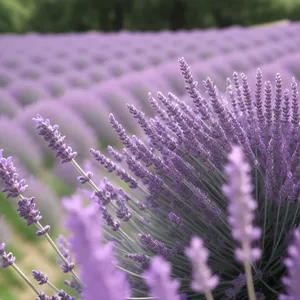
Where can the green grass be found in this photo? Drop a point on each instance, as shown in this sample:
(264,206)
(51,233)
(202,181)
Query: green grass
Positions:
(12,278)
(6,293)
(16,251)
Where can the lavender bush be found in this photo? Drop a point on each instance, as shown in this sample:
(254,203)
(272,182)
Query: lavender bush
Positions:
(207,205)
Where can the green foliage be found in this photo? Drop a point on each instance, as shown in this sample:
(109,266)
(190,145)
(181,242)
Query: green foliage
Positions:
(14,15)
(114,15)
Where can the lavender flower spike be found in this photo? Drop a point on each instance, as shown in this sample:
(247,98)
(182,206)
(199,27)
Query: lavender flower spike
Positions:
(6,259)
(55,139)
(203,280)
(241,206)
(40,277)
(13,186)
(100,276)
(293,265)
(158,280)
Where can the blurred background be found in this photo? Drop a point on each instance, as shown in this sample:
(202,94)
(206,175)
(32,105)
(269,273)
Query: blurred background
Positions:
(75,61)
(154,15)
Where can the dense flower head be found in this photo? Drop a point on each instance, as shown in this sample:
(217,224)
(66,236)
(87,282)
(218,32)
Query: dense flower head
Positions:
(40,277)
(13,186)
(27,211)
(181,167)
(55,139)
(241,207)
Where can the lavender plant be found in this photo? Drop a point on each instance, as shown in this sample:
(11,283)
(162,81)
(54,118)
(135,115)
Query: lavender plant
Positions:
(207,204)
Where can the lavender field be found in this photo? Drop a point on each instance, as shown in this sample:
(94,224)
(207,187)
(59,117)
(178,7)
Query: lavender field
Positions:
(76,80)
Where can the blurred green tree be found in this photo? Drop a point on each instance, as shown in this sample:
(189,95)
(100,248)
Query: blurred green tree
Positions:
(115,15)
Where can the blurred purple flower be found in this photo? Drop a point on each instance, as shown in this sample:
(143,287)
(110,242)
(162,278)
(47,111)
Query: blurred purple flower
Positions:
(96,260)
(161,286)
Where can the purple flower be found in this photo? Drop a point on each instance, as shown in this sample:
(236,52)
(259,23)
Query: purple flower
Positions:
(63,246)
(27,211)
(291,281)
(203,280)
(79,135)
(13,186)
(40,277)
(161,286)
(241,206)
(175,220)
(55,139)
(47,200)
(96,260)
(6,259)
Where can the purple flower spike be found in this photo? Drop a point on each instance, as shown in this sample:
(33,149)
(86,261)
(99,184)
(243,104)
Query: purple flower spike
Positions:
(108,164)
(175,220)
(74,285)
(40,277)
(13,186)
(64,296)
(141,258)
(161,286)
(43,231)
(96,260)
(43,296)
(85,179)
(292,263)
(6,259)
(26,209)
(241,206)
(55,139)
(63,247)
(203,280)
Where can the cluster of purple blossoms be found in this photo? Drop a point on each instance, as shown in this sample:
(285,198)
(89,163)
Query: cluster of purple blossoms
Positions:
(209,198)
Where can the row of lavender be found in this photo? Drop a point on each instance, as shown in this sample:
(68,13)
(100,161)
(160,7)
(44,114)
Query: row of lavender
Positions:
(34,67)
(82,113)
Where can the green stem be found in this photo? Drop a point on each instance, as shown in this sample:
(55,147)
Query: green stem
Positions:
(55,248)
(250,286)
(53,287)
(18,270)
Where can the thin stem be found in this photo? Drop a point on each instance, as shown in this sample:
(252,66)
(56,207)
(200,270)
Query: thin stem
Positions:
(53,287)
(249,279)
(208,295)
(264,226)
(129,272)
(55,248)
(18,270)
